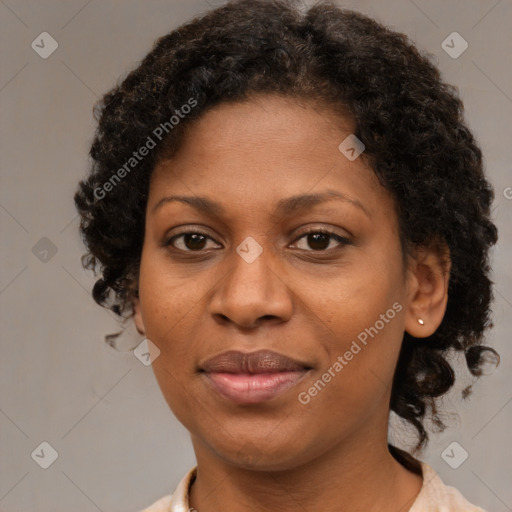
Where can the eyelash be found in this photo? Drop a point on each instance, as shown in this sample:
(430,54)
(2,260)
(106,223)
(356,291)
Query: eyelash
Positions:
(340,239)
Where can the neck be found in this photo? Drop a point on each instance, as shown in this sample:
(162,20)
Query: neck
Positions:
(367,478)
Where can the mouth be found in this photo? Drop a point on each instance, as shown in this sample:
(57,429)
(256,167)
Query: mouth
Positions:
(248,378)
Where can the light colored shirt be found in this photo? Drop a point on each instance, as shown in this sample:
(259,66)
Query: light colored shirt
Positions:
(434,496)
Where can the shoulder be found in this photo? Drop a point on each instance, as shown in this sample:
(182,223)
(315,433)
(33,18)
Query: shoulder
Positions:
(162,505)
(435,496)
(178,500)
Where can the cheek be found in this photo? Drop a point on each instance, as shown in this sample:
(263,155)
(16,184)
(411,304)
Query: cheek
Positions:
(355,381)
(166,312)
(166,298)
(352,300)
(361,315)
(165,306)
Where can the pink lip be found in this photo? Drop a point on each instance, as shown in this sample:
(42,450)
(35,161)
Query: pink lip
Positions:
(251,377)
(246,388)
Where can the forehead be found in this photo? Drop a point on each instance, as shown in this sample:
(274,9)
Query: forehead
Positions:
(256,152)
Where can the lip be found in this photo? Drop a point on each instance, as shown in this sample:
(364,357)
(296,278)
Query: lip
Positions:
(261,361)
(252,377)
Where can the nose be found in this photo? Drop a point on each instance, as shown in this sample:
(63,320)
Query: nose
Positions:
(251,293)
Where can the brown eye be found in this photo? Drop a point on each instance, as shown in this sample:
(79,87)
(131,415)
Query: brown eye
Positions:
(320,240)
(190,241)
(315,240)
(194,242)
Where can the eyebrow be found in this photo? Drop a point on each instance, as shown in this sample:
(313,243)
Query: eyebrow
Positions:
(284,207)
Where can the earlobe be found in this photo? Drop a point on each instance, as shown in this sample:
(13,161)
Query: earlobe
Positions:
(137,316)
(429,274)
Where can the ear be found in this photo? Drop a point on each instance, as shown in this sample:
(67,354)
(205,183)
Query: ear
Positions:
(428,278)
(137,315)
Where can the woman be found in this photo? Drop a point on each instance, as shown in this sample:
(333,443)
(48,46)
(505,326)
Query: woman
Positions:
(292,209)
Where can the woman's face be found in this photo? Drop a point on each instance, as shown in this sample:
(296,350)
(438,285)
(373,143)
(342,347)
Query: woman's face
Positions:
(254,279)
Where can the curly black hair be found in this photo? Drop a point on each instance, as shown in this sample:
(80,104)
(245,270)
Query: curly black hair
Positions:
(410,121)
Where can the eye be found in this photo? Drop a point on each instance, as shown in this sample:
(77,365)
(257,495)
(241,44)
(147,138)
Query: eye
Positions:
(189,241)
(320,240)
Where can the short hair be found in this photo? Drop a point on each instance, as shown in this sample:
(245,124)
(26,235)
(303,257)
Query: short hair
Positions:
(410,121)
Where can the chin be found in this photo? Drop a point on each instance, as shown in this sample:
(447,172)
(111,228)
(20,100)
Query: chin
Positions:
(261,455)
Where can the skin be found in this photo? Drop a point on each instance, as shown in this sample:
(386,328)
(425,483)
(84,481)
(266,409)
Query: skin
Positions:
(304,303)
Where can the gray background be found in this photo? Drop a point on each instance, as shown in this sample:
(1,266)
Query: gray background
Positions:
(119,447)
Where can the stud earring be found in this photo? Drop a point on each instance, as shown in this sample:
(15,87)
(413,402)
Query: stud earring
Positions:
(420,321)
